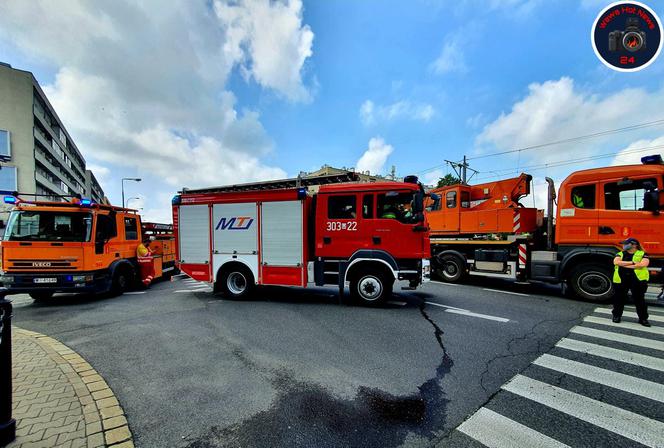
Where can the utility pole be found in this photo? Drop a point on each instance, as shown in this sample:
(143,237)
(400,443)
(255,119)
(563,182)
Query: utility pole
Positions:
(461,170)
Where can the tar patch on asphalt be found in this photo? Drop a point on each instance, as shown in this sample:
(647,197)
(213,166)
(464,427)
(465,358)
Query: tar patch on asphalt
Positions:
(307,415)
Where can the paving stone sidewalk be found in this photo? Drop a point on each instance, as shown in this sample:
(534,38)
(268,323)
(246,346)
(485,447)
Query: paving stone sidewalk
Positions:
(60,400)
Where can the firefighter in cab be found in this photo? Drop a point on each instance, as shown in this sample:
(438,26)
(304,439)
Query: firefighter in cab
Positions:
(631,273)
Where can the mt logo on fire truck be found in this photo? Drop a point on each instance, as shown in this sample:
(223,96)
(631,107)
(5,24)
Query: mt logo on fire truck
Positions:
(235,223)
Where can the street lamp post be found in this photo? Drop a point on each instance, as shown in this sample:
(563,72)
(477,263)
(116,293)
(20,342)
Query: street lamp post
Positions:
(135,179)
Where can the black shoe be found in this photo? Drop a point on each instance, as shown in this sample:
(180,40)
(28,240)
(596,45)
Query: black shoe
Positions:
(616,320)
(645,323)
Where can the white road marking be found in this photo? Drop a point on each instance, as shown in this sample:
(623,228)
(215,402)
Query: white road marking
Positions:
(653,317)
(507,292)
(636,427)
(134,293)
(395,302)
(464,312)
(193,290)
(615,354)
(619,337)
(651,309)
(481,316)
(497,431)
(200,287)
(626,325)
(443,283)
(616,380)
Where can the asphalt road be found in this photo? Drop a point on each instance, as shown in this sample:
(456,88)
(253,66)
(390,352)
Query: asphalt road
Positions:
(292,367)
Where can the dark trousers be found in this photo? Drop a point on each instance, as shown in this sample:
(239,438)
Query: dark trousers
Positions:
(638,289)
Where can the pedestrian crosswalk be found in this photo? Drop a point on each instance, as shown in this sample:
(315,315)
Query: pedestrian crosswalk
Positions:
(602,385)
(189,285)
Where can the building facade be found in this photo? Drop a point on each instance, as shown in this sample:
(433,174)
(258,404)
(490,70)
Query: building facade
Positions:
(41,159)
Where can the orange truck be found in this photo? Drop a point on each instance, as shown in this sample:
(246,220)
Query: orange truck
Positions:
(77,247)
(484,231)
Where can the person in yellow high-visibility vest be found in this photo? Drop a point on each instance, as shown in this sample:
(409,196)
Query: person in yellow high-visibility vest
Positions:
(631,273)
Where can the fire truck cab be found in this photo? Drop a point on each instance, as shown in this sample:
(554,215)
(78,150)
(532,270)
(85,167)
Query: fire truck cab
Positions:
(73,247)
(280,233)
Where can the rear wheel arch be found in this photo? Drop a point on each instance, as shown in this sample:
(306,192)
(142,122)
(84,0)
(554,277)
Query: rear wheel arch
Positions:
(589,274)
(234,279)
(371,281)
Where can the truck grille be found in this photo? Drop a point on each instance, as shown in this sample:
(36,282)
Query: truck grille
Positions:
(40,265)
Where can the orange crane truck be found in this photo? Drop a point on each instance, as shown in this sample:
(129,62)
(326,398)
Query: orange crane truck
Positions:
(76,247)
(483,230)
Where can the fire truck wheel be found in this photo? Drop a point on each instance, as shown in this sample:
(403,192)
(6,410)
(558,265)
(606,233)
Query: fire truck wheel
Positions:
(41,295)
(450,268)
(122,280)
(236,282)
(371,288)
(592,281)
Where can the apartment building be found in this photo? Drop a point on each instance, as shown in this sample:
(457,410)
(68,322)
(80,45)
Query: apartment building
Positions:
(41,158)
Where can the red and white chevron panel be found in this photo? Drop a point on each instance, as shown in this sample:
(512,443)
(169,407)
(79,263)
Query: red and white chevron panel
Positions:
(522,255)
(516,227)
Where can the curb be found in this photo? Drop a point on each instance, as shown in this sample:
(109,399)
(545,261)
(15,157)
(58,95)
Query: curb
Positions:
(105,421)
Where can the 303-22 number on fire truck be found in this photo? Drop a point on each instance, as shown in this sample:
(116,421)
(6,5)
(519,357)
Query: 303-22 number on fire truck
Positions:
(340,226)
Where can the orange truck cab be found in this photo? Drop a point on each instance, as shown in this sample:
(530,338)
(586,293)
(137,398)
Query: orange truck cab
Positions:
(72,247)
(484,230)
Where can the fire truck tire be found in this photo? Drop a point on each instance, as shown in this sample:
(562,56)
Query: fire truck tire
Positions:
(371,287)
(235,282)
(41,295)
(122,280)
(592,281)
(450,268)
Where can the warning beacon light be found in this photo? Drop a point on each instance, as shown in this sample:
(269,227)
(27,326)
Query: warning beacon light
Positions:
(11,199)
(85,202)
(655,159)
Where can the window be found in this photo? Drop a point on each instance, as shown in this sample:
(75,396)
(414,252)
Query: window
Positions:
(451,199)
(48,226)
(64,187)
(63,137)
(342,207)
(131,229)
(627,194)
(106,228)
(5,143)
(465,199)
(367,206)
(583,196)
(396,205)
(8,178)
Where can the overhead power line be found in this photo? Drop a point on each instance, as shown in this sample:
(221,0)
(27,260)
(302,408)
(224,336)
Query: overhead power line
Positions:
(573,139)
(566,162)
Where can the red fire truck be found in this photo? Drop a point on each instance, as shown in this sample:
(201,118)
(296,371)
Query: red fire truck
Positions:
(328,230)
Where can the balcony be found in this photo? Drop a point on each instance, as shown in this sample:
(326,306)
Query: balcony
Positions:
(50,167)
(46,125)
(43,141)
(48,183)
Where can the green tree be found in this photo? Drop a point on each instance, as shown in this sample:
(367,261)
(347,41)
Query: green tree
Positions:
(448,180)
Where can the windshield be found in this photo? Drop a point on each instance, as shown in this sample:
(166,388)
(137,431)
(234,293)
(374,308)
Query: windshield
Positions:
(397,205)
(27,225)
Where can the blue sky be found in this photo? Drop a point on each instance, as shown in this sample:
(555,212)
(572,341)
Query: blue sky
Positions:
(228,93)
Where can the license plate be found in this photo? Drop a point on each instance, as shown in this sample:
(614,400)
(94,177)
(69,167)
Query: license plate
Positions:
(45,280)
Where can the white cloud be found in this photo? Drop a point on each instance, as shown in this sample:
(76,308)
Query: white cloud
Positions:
(141,86)
(254,27)
(371,113)
(374,158)
(432,177)
(451,58)
(631,155)
(559,110)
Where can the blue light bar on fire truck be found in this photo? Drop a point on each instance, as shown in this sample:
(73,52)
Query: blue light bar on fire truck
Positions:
(11,199)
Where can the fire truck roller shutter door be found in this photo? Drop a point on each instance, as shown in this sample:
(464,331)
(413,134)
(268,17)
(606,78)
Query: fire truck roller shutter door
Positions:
(194,234)
(235,235)
(282,233)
